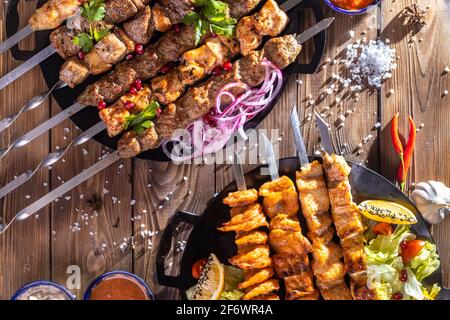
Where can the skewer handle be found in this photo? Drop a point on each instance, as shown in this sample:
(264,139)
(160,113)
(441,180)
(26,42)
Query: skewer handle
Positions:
(15,39)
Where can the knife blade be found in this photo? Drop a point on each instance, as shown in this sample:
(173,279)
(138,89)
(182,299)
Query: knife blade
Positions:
(324,129)
(15,39)
(270,158)
(239,173)
(26,66)
(299,142)
(67,186)
(288,5)
(314,30)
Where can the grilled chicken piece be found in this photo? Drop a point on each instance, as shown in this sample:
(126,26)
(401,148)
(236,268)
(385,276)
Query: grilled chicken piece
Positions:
(137,141)
(253,277)
(125,38)
(285,223)
(278,185)
(95,64)
(251,237)
(298,295)
(249,218)
(110,49)
(287,242)
(347,220)
(53,13)
(249,38)
(73,71)
(241,198)
(168,87)
(348,223)
(270,20)
(299,285)
(327,265)
(257,257)
(338,292)
(289,265)
(263,288)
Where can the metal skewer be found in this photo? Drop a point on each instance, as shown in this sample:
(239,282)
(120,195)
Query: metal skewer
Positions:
(324,130)
(51,159)
(15,39)
(41,129)
(32,104)
(298,137)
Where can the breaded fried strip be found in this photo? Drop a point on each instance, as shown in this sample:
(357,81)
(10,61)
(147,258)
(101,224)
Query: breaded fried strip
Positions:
(256,276)
(252,237)
(263,288)
(241,198)
(256,258)
(249,218)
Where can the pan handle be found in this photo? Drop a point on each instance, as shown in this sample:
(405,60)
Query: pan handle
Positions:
(444,294)
(319,42)
(12,26)
(165,245)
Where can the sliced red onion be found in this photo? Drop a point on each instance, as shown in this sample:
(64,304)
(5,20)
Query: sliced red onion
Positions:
(206,139)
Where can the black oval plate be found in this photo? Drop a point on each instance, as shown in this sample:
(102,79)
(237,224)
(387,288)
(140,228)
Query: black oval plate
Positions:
(205,239)
(89,116)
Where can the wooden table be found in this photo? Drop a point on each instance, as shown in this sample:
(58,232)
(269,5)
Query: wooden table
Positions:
(48,247)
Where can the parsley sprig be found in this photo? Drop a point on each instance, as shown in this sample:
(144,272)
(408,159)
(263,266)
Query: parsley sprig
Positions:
(92,10)
(213,16)
(143,120)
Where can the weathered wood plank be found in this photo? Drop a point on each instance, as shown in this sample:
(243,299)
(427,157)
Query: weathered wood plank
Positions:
(25,248)
(419,84)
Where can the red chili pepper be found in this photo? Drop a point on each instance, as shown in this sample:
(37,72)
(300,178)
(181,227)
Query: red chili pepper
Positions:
(402,172)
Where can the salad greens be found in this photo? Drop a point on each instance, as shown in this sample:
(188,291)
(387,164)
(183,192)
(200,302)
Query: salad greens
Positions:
(385,267)
(214,16)
(233,276)
(143,120)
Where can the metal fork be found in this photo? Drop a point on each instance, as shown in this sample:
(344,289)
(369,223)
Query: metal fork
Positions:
(30,105)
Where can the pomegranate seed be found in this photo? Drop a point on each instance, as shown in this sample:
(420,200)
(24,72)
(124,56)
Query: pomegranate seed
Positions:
(139,49)
(227,66)
(129,57)
(158,112)
(138,84)
(397,296)
(81,55)
(101,105)
(166,68)
(213,35)
(129,105)
(177,27)
(403,276)
(217,71)
(133,91)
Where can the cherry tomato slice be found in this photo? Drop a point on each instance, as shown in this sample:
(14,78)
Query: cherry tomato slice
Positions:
(410,249)
(382,228)
(197,268)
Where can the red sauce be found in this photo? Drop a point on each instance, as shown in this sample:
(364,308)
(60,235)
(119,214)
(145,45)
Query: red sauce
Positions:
(352,4)
(119,287)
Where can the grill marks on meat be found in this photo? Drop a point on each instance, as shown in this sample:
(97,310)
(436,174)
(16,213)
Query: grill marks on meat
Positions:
(253,252)
(348,223)
(62,41)
(199,99)
(196,64)
(291,262)
(113,48)
(327,263)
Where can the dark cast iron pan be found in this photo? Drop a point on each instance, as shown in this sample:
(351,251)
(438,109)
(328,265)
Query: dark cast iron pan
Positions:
(205,239)
(89,116)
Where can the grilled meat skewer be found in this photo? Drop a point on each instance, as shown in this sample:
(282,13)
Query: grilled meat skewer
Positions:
(326,263)
(122,41)
(198,100)
(155,57)
(253,255)
(291,262)
(117,11)
(348,224)
(53,13)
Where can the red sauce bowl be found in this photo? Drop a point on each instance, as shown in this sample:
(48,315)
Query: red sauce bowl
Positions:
(118,285)
(335,7)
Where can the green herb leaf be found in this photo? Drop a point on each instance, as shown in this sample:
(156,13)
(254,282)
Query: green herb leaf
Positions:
(215,10)
(94,10)
(84,41)
(142,121)
(100,34)
(191,18)
(227,31)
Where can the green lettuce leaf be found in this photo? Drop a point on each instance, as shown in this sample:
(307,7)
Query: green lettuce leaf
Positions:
(231,295)
(432,293)
(426,262)
(412,287)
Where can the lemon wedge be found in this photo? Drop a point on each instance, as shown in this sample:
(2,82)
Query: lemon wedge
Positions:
(387,211)
(211,283)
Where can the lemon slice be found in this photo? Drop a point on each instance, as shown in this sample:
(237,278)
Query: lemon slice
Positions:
(211,282)
(387,211)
